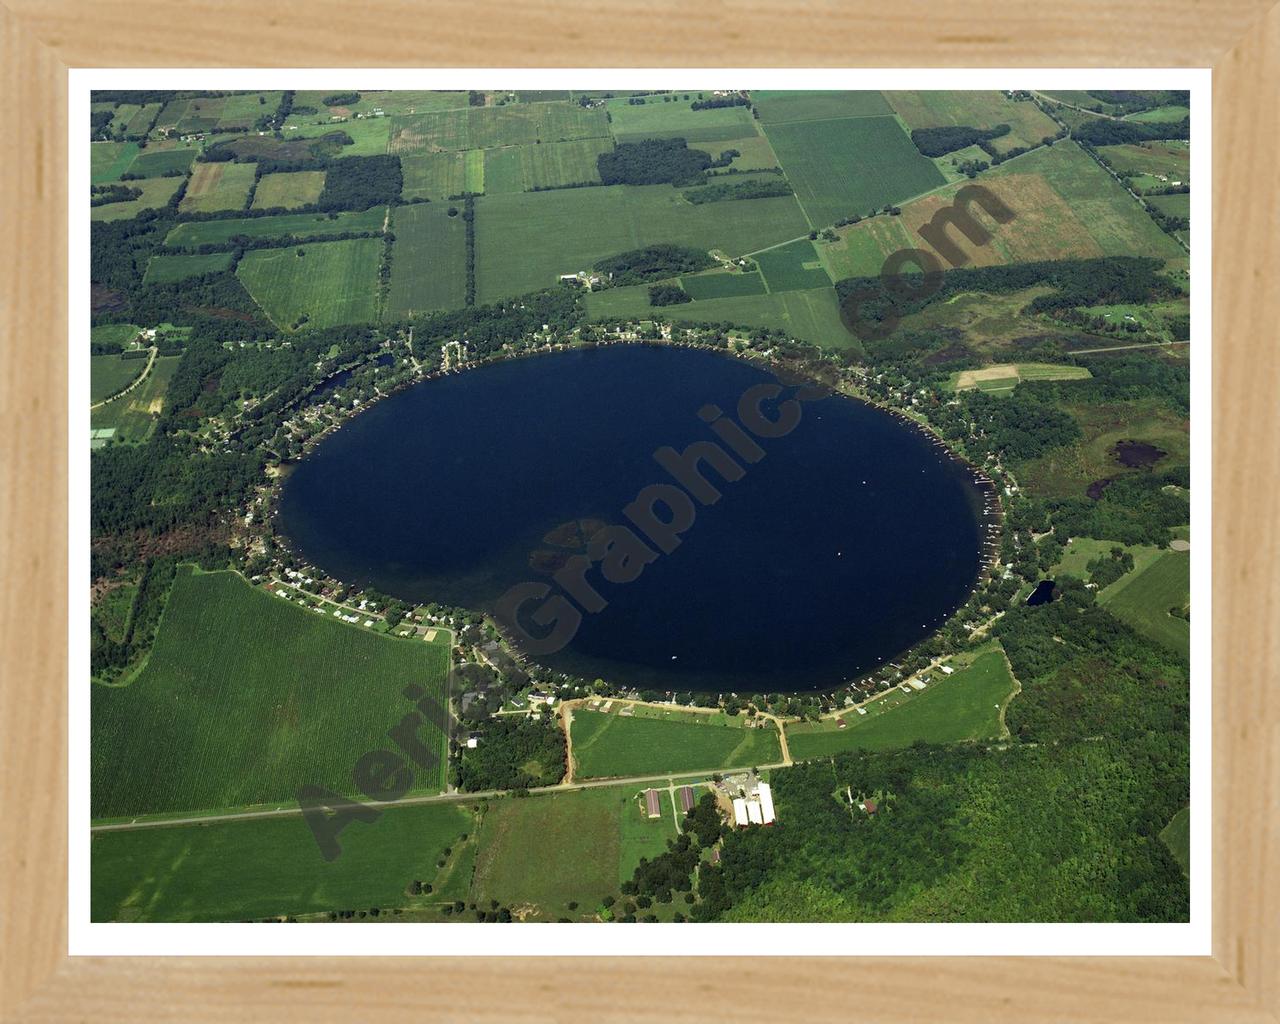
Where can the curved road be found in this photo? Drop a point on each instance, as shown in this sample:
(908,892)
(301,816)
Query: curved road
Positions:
(143,376)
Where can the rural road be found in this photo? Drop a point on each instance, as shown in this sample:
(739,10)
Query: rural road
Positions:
(145,370)
(413,801)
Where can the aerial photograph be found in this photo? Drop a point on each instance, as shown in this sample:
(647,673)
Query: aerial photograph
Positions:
(615,507)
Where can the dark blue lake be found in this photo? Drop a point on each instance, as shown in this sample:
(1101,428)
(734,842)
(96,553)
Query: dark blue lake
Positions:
(853,537)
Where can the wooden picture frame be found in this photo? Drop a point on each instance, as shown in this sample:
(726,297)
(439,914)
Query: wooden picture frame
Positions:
(41,39)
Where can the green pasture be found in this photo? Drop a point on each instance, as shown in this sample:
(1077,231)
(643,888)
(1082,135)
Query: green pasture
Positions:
(329,283)
(428,260)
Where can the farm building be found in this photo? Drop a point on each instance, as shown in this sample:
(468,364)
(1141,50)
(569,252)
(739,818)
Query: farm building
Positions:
(739,811)
(686,798)
(652,806)
(766,803)
(753,812)
(947,670)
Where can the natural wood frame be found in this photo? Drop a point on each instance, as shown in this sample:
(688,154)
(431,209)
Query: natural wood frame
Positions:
(40,39)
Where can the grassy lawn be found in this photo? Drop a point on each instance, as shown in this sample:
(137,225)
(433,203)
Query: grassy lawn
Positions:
(329,282)
(951,709)
(428,260)
(850,165)
(287,189)
(1177,837)
(244,698)
(1144,598)
(246,870)
(543,852)
(218,186)
(606,745)
(298,225)
(524,242)
(109,374)
(812,316)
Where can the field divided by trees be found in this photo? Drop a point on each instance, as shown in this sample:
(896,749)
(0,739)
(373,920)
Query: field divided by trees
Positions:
(525,241)
(429,260)
(245,697)
(662,116)
(191,234)
(156,192)
(1146,600)
(850,165)
(320,284)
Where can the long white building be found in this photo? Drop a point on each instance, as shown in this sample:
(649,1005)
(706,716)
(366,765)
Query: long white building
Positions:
(766,803)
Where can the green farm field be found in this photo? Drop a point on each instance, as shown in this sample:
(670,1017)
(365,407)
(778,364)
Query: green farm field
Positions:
(754,153)
(524,242)
(850,165)
(287,189)
(428,261)
(398,101)
(487,127)
(167,268)
(653,119)
(780,106)
(1065,207)
(792,267)
(245,697)
(951,709)
(606,745)
(1006,376)
(812,316)
(369,136)
(550,165)
(721,285)
(218,186)
(109,374)
(133,416)
(299,225)
(156,192)
(254,869)
(243,111)
(437,176)
(202,114)
(1144,598)
(156,163)
(1172,159)
(1171,114)
(327,282)
(975,109)
(549,850)
(109,160)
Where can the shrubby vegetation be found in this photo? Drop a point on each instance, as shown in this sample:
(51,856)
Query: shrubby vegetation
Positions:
(761,189)
(653,263)
(509,745)
(949,138)
(1110,132)
(653,162)
(667,295)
